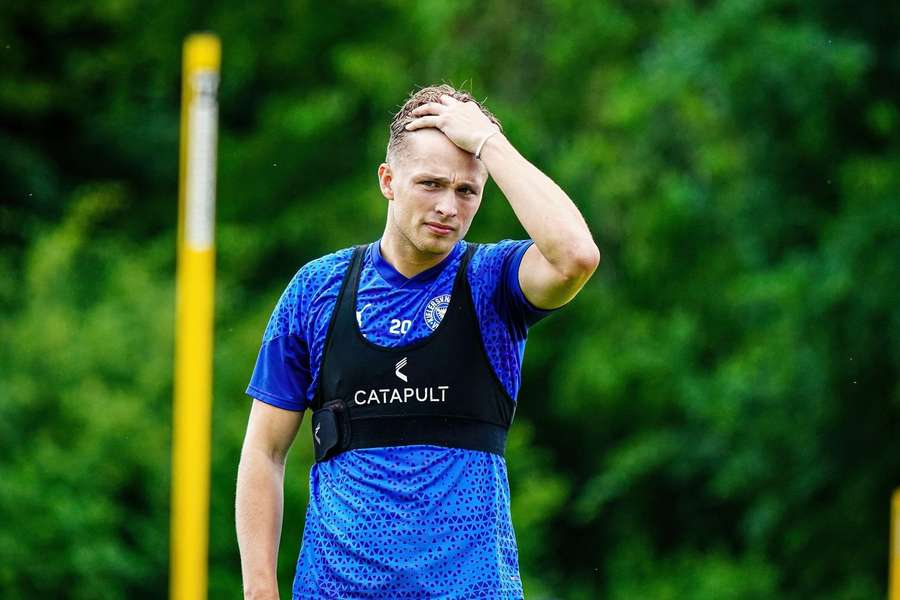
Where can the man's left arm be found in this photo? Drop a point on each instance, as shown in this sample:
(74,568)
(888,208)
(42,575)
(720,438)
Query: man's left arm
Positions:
(564,255)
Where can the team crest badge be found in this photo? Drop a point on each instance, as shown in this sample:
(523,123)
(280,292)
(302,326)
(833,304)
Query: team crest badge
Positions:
(436,309)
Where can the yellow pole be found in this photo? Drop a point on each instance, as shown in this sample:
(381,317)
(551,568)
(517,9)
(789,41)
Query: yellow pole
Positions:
(194,319)
(894,561)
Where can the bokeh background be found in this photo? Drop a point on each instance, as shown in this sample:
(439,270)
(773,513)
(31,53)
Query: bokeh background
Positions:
(714,417)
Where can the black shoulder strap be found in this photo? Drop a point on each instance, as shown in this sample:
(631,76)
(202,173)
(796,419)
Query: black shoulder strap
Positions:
(351,277)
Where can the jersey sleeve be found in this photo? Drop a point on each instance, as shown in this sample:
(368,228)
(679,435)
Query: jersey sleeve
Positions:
(281,376)
(498,275)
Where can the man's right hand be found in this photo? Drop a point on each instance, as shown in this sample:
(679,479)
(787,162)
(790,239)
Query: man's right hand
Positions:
(259,497)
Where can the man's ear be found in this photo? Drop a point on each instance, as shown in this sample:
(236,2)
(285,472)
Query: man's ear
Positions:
(385,178)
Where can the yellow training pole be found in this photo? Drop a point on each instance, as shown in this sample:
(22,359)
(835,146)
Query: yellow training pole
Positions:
(194,319)
(894,561)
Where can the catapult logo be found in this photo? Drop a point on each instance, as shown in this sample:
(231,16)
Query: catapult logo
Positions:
(437,393)
(400,365)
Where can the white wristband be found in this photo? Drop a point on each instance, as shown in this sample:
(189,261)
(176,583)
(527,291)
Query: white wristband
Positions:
(481,145)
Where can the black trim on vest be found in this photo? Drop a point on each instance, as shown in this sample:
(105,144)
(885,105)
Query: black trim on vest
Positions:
(439,390)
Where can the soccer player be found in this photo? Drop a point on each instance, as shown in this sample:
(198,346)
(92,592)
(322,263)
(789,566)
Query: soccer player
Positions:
(408,352)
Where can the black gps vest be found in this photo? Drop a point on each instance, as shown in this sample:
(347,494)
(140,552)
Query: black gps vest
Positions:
(439,390)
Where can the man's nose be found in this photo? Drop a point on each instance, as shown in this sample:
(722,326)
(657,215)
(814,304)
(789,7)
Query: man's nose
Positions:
(446,205)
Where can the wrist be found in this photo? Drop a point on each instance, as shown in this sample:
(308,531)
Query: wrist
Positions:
(262,586)
(479,149)
(492,144)
(261,593)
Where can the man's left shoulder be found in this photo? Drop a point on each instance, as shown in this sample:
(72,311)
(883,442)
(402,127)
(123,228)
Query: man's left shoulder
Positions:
(494,279)
(490,261)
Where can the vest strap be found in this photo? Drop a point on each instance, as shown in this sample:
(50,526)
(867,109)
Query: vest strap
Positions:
(334,432)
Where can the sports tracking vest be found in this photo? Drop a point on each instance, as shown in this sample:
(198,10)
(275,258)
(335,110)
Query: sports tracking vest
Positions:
(439,390)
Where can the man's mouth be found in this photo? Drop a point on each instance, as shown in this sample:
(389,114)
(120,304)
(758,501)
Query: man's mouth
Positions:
(439,229)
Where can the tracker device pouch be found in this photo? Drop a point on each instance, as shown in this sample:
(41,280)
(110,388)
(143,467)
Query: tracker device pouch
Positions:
(331,429)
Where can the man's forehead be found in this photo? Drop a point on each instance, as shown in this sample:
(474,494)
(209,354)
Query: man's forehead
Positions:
(440,157)
(434,164)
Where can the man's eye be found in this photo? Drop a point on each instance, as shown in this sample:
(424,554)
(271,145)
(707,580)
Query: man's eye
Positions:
(467,191)
(429,184)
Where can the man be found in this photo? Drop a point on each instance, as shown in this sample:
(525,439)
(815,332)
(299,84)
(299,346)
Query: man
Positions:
(408,351)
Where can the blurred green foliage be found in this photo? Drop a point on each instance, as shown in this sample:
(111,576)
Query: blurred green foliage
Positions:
(714,417)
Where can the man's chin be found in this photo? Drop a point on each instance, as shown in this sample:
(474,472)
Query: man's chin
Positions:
(441,245)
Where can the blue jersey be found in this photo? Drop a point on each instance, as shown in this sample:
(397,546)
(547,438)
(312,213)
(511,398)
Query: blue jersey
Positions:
(404,521)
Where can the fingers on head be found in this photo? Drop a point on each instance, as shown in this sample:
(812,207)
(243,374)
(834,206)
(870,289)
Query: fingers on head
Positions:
(429,108)
(427,121)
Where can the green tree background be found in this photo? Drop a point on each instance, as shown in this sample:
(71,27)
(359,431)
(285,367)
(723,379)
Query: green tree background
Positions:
(714,417)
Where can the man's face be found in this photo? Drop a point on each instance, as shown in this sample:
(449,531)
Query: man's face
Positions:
(434,188)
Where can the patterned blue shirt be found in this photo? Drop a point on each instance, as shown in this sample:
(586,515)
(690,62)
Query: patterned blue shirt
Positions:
(407,521)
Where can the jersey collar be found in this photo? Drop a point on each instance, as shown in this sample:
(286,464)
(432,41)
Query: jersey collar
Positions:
(396,279)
